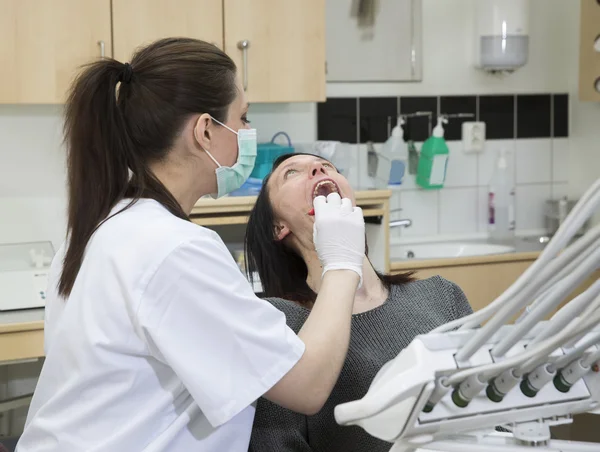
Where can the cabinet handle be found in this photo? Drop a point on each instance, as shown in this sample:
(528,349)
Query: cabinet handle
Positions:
(102,51)
(243,46)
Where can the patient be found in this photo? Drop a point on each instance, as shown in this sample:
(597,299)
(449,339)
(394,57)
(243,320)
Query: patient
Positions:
(389,310)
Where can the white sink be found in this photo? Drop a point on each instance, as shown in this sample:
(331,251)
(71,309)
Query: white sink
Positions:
(443,250)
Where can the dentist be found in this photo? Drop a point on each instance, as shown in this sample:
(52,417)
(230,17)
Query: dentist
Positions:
(154,339)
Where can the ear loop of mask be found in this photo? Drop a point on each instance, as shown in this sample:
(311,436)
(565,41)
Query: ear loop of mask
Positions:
(198,141)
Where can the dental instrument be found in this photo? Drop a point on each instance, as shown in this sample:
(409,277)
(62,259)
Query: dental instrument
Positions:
(450,388)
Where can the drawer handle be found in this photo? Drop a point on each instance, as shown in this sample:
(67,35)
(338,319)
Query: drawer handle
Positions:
(243,46)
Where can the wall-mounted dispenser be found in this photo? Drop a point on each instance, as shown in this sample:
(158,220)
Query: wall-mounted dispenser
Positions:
(502,34)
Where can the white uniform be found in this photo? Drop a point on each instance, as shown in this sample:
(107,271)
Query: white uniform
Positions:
(162,345)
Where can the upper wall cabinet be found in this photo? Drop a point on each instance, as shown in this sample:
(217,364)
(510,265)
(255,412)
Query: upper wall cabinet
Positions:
(139,22)
(373,41)
(589,51)
(278,47)
(43,42)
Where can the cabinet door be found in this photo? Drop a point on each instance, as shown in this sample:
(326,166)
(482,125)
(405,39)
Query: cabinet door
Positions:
(140,22)
(285,57)
(589,51)
(43,43)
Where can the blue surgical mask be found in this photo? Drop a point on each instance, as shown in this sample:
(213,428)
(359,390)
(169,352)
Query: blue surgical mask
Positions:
(230,178)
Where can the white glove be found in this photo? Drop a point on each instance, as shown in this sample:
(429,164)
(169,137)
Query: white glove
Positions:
(339,234)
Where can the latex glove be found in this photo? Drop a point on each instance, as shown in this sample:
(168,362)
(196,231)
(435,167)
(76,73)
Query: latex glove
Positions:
(339,234)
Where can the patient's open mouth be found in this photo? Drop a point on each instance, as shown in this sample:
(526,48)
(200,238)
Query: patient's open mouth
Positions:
(325,188)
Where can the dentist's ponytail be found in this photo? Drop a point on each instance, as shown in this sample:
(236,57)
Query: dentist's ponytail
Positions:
(120,118)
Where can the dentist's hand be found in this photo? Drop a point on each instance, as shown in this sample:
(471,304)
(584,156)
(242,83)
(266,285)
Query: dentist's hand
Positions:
(339,234)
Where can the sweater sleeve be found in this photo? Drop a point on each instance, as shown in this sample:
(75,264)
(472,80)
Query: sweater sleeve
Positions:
(458,301)
(278,429)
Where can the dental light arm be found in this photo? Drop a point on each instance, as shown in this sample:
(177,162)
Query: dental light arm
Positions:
(449,389)
(549,302)
(580,330)
(573,309)
(573,252)
(584,209)
(563,235)
(580,250)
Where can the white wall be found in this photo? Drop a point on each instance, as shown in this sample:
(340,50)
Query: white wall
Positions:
(448,70)
(448,39)
(32,176)
(31,173)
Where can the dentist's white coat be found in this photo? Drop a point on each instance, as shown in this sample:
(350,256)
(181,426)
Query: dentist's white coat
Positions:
(162,345)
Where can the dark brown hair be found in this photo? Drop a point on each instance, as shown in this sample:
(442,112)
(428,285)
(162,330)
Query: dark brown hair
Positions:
(122,117)
(282,272)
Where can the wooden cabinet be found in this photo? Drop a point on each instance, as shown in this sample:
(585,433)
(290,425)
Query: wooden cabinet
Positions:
(482,278)
(284,60)
(589,51)
(139,22)
(43,42)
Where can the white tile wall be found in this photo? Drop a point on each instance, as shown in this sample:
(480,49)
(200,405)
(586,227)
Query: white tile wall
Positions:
(421,206)
(560,190)
(529,205)
(487,159)
(560,160)
(462,168)
(538,166)
(458,210)
(534,161)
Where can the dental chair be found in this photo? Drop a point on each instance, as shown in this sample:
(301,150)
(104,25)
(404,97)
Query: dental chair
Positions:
(450,388)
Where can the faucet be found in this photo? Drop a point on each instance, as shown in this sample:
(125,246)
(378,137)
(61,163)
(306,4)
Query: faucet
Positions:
(405,222)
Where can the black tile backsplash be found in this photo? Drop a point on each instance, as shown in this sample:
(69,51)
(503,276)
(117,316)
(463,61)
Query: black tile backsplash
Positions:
(498,113)
(506,116)
(337,120)
(533,116)
(457,104)
(561,115)
(378,115)
(418,128)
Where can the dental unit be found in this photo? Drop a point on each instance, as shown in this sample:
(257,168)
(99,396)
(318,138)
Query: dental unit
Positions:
(450,388)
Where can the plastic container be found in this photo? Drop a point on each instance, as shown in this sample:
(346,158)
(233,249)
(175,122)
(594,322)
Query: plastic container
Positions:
(555,213)
(433,161)
(501,200)
(267,153)
(393,157)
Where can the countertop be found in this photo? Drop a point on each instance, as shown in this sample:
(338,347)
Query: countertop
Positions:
(526,248)
(245,203)
(22,320)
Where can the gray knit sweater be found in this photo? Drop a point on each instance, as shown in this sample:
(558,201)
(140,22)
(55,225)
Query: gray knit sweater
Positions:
(377,336)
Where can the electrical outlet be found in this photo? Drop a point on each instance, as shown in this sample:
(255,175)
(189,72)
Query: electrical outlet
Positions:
(473,136)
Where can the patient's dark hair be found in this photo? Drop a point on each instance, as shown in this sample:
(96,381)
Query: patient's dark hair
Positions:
(282,272)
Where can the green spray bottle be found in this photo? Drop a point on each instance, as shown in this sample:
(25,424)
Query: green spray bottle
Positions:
(431,172)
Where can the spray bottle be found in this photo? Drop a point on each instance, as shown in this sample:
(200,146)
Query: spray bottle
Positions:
(501,195)
(393,157)
(433,161)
